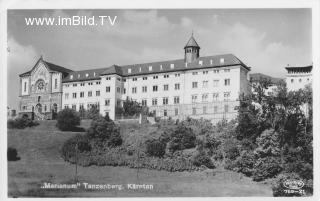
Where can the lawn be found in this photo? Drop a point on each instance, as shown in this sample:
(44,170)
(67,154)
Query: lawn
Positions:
(41,162)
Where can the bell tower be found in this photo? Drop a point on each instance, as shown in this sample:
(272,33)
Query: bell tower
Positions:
(191,50)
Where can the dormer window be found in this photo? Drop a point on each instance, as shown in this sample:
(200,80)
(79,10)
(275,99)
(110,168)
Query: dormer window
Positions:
(71,77)
(221,60)
(129,70)
(211,62)
(160,67)
(200,62)
(172,66)
(78,75)
(186,64)
(94,74)
(87,74)
(140,69)
(150,68)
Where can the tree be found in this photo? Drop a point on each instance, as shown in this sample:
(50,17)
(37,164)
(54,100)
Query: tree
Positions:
(131,107)
(68,120)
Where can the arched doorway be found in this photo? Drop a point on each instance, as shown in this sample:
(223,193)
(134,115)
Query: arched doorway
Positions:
(39,108)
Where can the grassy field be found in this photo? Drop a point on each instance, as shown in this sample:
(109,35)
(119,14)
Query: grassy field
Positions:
(41,162)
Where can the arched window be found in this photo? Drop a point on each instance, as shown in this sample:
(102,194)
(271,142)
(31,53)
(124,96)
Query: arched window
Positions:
(291,80)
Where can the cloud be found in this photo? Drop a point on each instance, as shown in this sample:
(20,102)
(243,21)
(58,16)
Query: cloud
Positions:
(20,59)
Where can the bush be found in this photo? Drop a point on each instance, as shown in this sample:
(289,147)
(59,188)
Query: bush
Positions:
(155,147)
(230,147)
(265,168)
(12,154)
(245,163)
(105,130)
(279,190)
(182,138)
(68,120)
(68,150)
(202,159)
(21,122)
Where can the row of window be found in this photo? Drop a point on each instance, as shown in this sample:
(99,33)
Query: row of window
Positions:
(195,111)
(74,95)
(81,106)
(150,68)
(300,80)
(83,84)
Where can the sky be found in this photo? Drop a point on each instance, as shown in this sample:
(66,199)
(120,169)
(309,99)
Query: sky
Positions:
(267,40)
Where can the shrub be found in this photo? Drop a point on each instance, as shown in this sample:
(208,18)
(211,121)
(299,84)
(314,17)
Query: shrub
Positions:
(182,138)
(265,168)
(230,147)
(21,122)
(203,159)
(68,120)
(245,163)
(279,190)
(68,150)
(155,147)
(105,130)
(12,154)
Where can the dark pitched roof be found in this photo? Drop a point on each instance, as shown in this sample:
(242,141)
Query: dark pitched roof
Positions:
(257,76)
(303,68)
(157,67)
(192,43)
(51,66)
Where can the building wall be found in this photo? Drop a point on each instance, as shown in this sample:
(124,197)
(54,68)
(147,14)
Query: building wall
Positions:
(114,89)
(296,81)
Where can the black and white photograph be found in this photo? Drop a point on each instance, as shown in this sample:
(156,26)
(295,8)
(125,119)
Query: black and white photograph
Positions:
(118,102)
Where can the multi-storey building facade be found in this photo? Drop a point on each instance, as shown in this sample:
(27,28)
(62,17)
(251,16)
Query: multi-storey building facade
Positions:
(298,77)
(195,86)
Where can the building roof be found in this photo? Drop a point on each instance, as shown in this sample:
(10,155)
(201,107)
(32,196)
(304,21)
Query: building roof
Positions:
(50,66)
(257,76)
(157,67)
(298,68)
(192,43)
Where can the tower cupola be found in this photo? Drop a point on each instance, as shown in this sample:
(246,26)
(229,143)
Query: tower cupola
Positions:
(191,50)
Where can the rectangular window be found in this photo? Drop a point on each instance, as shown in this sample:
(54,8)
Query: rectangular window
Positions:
(226,108)
(194,111)
(165,87)
(134,90)
(194,73)
(144,89)
(176,100)
(108,78)
(97,93)
(205,84)
(81,107)
(177,86)
(124,90)
(226,70)
(215,83)
(134,79)
(25,87)
(118,90)
(226,95)
(177,75)
(55,83)
(66,106)
(204,97)
(165,101)
(227,82)
(155,88)
(81,94)
(194,84)
(155,77)
(205,72)
(176,111)
(74,95)
(215,96)
(166,76)
(107,102)
(89,93)
(215,71)
(154,101)
(66,96)
(144,102)
(194,98)
(165,113)
(145,78)
(204,109)
(74,85)
(82,84)
(107,89)
(74,107)
(215,109)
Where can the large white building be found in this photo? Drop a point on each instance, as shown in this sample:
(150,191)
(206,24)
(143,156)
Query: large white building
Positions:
(298,77)
(194,86)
